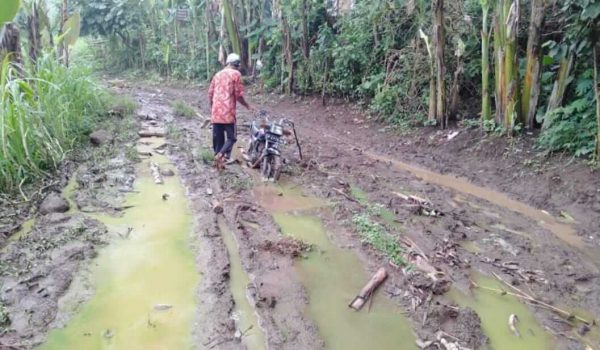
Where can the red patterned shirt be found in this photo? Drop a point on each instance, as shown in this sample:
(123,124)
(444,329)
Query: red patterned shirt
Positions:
(225,88)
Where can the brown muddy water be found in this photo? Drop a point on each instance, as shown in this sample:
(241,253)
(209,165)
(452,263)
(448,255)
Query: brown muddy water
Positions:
(144,281)
(561,230)
(332,276)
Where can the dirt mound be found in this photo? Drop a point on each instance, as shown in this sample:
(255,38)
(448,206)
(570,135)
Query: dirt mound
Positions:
(286,246)
(37,270)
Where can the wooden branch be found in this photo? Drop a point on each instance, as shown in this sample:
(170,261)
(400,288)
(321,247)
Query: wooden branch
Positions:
(368,289)
(345,195)
(523,296)
(155,169)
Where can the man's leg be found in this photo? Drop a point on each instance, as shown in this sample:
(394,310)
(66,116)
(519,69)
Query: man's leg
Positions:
(231,132)
(218,137)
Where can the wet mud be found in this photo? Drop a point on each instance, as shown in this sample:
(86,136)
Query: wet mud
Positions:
(278,267)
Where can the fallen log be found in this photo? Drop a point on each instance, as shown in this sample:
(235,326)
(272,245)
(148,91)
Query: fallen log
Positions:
(154,132)
(155,169)
(217,207)
(367,291)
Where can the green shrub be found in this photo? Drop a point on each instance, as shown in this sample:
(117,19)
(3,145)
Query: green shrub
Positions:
(573,128)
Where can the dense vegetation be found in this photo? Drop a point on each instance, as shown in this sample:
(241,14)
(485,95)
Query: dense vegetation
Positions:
(513,65)
(516,64)
(46,108)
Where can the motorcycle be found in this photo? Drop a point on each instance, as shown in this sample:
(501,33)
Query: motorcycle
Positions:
(266,139)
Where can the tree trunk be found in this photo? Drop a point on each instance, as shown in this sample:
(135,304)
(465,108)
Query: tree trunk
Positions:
(63,50)
(561,83)
(499,39)
(511,64)
(10,43)
(232,31)
(455,90)
(531,84)
(35,37)
(289,58)
(486,108)
(209,31)
(438,40)
(597,93)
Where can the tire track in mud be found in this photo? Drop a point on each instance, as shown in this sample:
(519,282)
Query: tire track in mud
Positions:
(474,221)
(272,279)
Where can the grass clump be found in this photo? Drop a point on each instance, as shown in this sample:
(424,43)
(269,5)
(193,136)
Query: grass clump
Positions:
(45,112)
(206,155)
(4,316)
(182,109)
(376,235)
(123,105)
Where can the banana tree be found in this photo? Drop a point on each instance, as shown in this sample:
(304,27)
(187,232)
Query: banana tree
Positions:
(486,108)
(439,45)
(531,84)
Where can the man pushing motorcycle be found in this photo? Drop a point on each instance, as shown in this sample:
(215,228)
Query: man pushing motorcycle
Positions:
(226,89)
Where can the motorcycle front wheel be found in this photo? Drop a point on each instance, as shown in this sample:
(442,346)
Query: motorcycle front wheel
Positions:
(276,166)
(265,168)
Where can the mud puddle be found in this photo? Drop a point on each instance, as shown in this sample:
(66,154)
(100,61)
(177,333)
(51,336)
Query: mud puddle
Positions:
(27,226)
(144,281)
(247,324)
(495,309)
(563,231)
(332,276)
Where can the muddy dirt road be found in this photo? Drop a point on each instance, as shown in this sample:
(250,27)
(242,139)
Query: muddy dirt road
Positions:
(481,252)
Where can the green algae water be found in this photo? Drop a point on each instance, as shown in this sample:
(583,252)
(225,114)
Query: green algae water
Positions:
(494,311)
(144,283)
(332,276)
(245,315)
(24,231)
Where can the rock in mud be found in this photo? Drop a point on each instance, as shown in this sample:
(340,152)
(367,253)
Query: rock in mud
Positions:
(100,137)
(54,203)
(167,172)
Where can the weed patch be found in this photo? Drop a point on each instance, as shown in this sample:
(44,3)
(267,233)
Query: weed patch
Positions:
(206,155)
(377,236)
(182,109)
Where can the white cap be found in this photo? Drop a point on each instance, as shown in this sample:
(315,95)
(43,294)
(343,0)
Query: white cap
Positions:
(233,58)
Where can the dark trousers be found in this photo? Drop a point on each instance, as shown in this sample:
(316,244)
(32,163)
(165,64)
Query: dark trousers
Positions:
(224,137)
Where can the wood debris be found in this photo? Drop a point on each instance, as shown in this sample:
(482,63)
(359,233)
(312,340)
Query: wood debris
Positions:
(367,291)
(419,205)
(152,132)
(512,324)
(442,340)
(155,169)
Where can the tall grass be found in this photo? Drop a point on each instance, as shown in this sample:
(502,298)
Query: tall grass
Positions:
(45,111)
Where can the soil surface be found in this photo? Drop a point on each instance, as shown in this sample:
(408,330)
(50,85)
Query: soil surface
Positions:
(457,201)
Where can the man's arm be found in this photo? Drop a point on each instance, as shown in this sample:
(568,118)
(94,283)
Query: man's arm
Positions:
(244,103)
(239,93)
